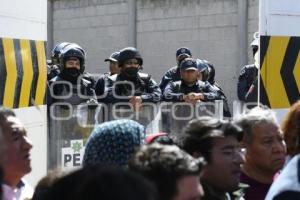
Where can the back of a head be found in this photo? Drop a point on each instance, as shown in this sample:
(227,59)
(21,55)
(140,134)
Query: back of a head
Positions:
(164,165)
(94,183)
(45,184)
(113,143)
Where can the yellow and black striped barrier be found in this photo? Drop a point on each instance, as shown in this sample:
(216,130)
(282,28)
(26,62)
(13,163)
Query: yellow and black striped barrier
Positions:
(280,70)
(23,72)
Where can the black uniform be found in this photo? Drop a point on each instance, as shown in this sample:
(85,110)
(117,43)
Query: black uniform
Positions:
(144,86)
(71,85)
(76,94)
(247,84)
(172,74)
(175,90)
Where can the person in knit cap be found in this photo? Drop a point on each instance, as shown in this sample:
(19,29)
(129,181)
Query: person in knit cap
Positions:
(112,143)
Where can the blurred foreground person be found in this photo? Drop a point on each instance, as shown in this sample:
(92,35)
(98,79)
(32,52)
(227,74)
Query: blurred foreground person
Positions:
(113,143)
(17,161)
(218,142)
(174,172)
(94,183)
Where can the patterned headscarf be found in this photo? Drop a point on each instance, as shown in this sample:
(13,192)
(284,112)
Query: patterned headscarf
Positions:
(113,143)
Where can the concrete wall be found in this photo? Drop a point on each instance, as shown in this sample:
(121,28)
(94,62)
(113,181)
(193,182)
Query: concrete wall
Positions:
(208,27)
(99,26)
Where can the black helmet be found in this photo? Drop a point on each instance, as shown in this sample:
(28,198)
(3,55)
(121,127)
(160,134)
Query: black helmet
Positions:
(129,53)
(56,51)
(113,57)
(201,65)
(210,73)
(72,50)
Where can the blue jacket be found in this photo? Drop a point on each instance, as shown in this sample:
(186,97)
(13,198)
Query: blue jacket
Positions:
(175,90)
(172,74)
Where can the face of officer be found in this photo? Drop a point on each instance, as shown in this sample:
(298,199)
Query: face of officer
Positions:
(224,167)
(181,57)
(131,67)
(189,76)
(73,62)
(71,70)
(114,67)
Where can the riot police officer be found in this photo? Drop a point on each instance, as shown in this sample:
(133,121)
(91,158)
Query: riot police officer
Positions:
(190,89)
(207,73)
(247,83)
(173,74)
(53,64)
(71,85)
(131,85)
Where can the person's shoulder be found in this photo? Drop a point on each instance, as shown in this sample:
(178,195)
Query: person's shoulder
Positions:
(248,69)
(172,70)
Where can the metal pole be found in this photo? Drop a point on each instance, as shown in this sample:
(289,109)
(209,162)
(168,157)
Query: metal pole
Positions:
(132,23)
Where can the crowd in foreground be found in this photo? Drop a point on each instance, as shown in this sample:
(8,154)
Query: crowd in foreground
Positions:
(251,157)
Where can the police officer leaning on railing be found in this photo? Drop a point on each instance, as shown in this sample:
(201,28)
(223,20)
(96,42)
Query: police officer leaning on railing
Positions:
(190,89)
(130,85)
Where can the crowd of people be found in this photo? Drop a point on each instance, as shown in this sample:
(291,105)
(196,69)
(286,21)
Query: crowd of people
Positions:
(250,157)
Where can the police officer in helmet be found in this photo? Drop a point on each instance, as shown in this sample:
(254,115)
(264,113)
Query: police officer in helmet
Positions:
(140,88)
(71,79)
(53,64)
